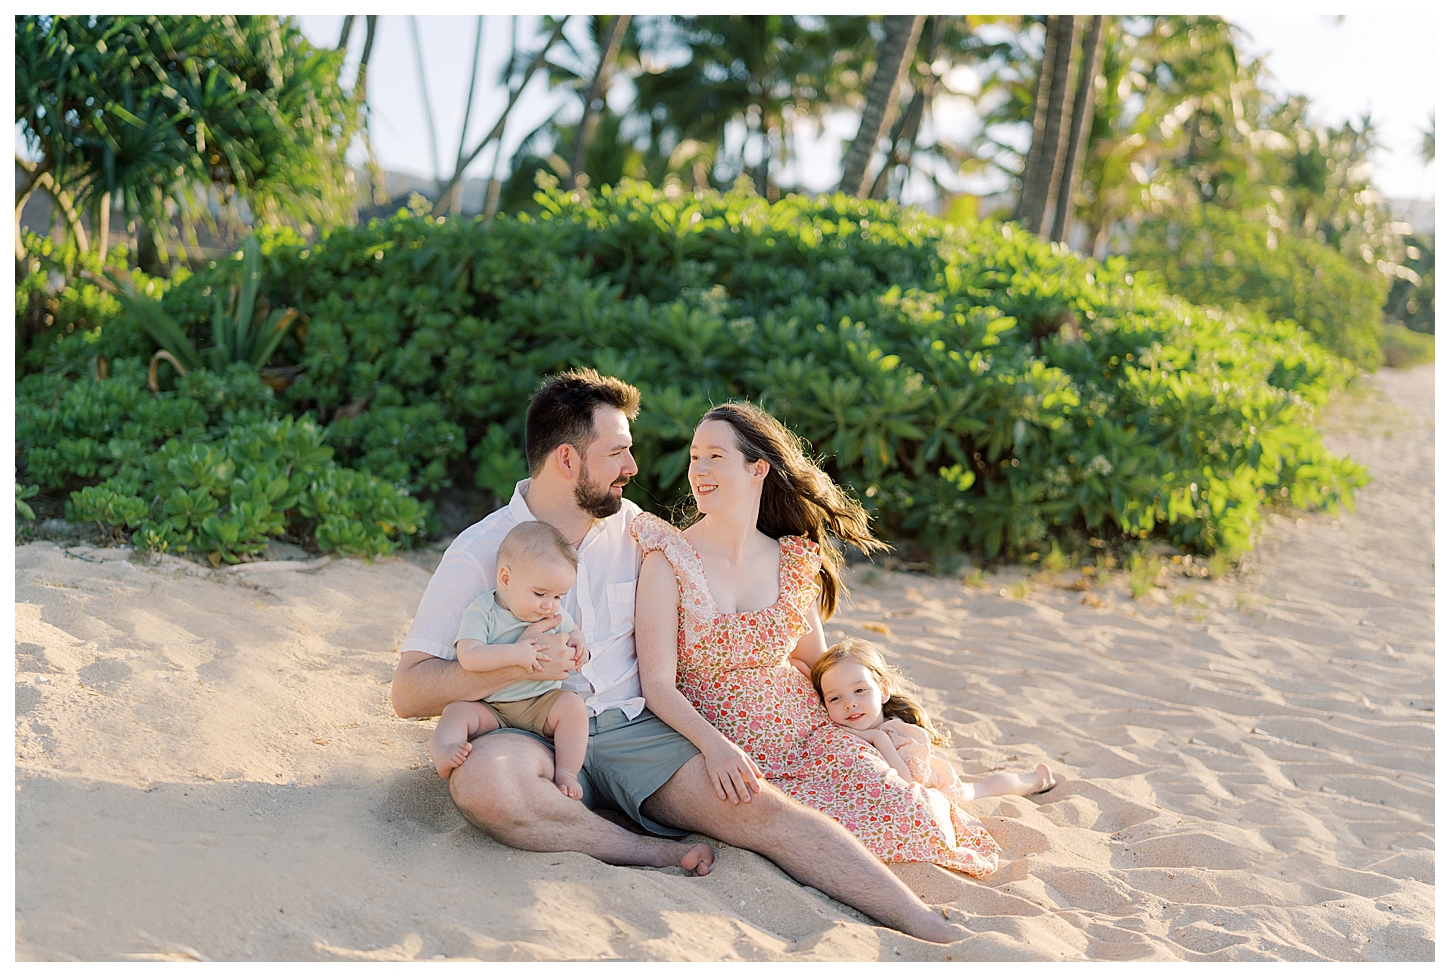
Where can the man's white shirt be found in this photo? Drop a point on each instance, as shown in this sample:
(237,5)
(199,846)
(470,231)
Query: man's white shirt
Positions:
(601,600)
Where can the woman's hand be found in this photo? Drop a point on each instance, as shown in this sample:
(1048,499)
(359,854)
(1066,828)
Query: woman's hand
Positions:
(731,771)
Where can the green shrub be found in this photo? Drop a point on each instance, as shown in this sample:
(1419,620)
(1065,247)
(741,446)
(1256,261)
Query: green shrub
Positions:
(1411,301)
(1215,256)
(209,466)
(62,320)
(975,387)
(1404,348)
(409,446)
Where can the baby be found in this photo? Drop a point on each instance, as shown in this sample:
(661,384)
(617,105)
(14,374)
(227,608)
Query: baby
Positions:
(861,695)
(536,567)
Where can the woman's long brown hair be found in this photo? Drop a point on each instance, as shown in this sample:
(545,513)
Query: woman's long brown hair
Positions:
(798,499)
(901,704)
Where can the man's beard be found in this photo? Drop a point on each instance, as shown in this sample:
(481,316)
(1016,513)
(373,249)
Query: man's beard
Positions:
(599,502)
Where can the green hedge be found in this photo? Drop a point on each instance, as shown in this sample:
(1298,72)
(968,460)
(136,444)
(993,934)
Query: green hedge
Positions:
(209,466)
(975,387)
(1215,256)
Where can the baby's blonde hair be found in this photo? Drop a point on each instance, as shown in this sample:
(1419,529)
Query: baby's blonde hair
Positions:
(901,704)
(535,541)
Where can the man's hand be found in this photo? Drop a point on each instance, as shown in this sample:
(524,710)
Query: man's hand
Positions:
(548,655)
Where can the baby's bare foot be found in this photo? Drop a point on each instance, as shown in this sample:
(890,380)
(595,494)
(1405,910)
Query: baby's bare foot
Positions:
(450,757)
(568,785)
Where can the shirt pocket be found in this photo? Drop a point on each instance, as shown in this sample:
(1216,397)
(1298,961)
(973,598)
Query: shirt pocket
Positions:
(620,599)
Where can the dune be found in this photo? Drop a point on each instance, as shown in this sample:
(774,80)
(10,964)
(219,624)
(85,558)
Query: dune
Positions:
(207,766)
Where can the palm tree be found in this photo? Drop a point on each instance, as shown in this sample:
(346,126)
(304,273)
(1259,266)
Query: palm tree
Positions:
(536,62)
(598,86)
(769,73)
(891,68)
(1046,158)
(1082,119)
(157,111)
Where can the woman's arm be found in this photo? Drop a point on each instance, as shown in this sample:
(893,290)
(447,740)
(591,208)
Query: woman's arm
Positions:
(656,625)
(812,645)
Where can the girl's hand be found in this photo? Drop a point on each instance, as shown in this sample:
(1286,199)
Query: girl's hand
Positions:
(732,773)
(902,733)
(869,736)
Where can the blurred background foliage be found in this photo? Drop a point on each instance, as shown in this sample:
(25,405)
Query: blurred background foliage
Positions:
(978,385)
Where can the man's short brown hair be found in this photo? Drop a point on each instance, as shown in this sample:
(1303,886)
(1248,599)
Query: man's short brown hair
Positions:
(562,412)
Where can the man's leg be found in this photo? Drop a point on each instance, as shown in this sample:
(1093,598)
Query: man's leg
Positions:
(506,789)
(807,845)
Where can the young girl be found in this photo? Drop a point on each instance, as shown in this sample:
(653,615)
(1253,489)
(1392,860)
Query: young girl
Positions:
(860,693)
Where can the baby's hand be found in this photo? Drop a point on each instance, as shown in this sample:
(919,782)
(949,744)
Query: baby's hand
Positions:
(528,654)
(581,650)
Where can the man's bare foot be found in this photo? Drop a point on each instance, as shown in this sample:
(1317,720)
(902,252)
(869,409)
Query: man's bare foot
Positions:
(1040,780)
(934,927)
(697,859)
(449,757)
(568,785)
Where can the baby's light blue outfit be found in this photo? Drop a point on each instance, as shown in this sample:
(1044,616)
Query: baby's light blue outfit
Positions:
(489,621)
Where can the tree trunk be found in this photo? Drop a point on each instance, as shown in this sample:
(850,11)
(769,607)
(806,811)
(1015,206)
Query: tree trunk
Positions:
(103,225)
(1082,124)
(904,131)
(360,91)
(428,116)
(1033,162)
(891,69)
(346,30)
(1040,195)
(367,51)
(35,175)
(497,130)
(597,88)
(455,199)
(762,135)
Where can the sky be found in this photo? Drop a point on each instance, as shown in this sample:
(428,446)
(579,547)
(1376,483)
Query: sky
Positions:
(1383,64)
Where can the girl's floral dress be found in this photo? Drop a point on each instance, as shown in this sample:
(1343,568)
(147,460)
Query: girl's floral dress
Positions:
(733,668)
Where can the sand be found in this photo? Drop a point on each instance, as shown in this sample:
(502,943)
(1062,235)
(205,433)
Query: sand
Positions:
(207,766)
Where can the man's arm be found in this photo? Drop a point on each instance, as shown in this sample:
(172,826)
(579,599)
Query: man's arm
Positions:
(423,684)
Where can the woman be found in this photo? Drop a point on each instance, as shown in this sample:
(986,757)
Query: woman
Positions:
(728,623)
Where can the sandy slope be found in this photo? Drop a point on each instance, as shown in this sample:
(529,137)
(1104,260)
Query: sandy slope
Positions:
(206,764)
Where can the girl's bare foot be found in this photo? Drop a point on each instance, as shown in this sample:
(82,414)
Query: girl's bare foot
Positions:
(449,757)
(568,785)
(1041,780)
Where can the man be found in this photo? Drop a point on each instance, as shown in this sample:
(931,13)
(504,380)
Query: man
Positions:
(577,443)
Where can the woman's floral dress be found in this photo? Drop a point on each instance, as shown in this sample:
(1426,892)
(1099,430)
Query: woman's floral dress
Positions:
(733,668)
